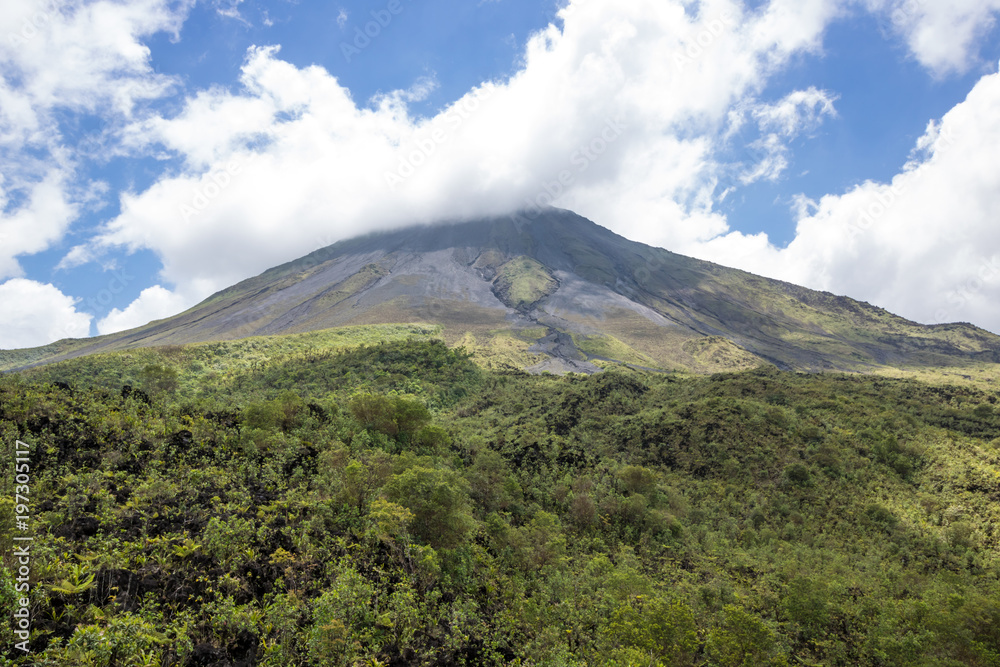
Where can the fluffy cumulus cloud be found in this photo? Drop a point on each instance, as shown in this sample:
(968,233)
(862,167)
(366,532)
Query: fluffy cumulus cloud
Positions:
(925,244)
(41,220)
(942,36)
(35,314)
(152,304)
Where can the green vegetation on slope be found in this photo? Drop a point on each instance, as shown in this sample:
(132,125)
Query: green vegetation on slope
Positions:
(222,367)
(396,505)
(10,359)
(523,282)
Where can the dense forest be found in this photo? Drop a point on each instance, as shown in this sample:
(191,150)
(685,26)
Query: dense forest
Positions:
(396,504)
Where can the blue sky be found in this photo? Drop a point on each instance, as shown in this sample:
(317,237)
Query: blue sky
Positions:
(153,152)
(885,99)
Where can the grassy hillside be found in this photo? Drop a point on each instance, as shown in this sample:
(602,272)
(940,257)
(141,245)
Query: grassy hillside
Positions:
(215,369)
(396,504)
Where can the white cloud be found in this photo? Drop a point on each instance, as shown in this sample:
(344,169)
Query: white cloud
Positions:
(34,225)
(798,111)
(342,18)
(230,9)
(926,245)
(83,56)
(943,36)
(153,303)
(77,256)
(768,156)
(769,160)
(32,313)
(420,90)
(787,27)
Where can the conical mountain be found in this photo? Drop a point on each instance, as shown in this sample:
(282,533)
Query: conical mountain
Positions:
(558,292)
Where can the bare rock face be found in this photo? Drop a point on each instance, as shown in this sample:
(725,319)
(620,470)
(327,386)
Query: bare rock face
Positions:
(565,294)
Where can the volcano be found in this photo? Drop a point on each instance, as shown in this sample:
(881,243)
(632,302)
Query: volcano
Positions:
(556,292)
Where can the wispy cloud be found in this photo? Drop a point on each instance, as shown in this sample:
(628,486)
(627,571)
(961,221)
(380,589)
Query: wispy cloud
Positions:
(798,111)
(767,156)
(231,10)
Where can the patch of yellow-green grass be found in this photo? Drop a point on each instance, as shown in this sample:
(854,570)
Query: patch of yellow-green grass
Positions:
(717,354)
(498,349)
(609,347)
(665,344)
(522,282)
(530,335)
(468,341)
(490,260)
(983,376)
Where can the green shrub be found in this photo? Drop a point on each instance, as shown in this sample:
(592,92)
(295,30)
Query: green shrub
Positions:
(439,501)
(637,479)
(742,639)
(663,632)
(158,380)
(798,474)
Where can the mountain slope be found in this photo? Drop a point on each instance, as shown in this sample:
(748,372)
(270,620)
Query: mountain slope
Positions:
(558,293)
